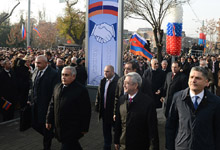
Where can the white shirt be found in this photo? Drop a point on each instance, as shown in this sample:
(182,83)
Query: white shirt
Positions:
(200,95)
(131,97)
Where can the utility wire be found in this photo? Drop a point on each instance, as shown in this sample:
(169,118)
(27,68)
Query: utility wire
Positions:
(194,12)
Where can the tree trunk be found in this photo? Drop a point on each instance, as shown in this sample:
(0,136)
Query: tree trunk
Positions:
(158,36)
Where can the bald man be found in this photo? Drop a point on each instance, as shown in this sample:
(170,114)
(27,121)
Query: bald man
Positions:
(44,79)
(105,103)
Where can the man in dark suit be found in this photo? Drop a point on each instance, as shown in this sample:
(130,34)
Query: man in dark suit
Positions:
(194,118)
(184,66)
(81,76)
(59,67)
(156,78)
(164,66)
(136,119)
(70,109)
(105,101)
(8,90)
(130,66)
(214,66)
(175,81)
(44,79)
(50,59)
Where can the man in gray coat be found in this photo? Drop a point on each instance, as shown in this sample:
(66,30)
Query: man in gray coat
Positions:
(194,118)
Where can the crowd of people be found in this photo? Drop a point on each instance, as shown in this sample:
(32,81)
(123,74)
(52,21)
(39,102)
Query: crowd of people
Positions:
(53,83)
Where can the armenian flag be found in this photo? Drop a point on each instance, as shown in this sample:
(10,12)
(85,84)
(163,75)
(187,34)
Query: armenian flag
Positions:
(6,104)
(139,46)
(38,32)
(103,7)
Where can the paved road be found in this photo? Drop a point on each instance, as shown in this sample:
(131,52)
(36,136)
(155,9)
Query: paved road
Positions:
(12,139)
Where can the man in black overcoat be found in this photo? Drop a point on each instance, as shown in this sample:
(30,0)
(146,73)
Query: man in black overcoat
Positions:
(136,118)
(155,79)
(70,110)
(105,101)
(44,79)
(8,90)
(130,66)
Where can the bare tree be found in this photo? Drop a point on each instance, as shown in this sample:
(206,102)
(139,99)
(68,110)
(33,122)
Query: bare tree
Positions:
(5,16)
(154,12)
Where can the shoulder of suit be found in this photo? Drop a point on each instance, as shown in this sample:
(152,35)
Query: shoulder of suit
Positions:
(180,95)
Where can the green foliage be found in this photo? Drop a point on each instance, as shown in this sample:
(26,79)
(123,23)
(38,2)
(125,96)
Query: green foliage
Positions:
(4,31)
(72,25)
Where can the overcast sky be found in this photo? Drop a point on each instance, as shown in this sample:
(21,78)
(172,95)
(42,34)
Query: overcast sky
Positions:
(204,9)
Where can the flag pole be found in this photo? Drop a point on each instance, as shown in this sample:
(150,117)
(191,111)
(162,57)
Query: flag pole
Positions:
(28,24)
(120,36)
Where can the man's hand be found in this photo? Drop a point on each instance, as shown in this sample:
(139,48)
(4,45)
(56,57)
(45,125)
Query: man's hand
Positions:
(48,126)
(158,92)
(116,146)
(114,117)
(84,133)
(162,99)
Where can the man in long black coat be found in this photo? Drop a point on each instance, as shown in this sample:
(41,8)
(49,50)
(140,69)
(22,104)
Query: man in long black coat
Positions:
(214,67)
(194,118)
(175,81)
(130,66)
(105,101)
(8,90)
(136,119)
(70,109)
(44,79)
(155,78)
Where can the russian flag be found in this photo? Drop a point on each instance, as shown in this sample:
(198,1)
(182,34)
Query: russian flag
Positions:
(23,32)
(38,32)
(103,7)
(139,46)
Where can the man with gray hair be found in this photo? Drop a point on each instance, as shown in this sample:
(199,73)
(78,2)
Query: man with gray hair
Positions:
(194,118)
(136,119)
(70,110)
(155,78)
(164,66)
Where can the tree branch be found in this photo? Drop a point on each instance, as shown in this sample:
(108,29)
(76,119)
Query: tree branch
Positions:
(6,16)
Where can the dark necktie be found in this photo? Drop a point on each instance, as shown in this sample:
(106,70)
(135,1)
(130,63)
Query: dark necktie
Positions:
(36,81)
(172,76)
(196,102)
(130,100)
(37,77)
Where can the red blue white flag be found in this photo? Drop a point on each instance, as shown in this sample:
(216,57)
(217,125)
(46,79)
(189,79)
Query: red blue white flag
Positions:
(23,32)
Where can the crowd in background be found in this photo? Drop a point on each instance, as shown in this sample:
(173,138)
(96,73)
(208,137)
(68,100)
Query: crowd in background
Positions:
(17,66)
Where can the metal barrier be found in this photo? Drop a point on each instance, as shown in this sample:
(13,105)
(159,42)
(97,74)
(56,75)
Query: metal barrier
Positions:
(196,53)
